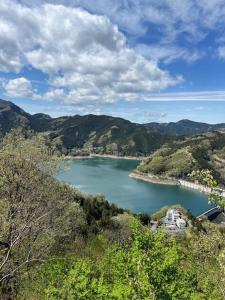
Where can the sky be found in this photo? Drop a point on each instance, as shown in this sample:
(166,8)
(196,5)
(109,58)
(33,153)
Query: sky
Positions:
(144,60)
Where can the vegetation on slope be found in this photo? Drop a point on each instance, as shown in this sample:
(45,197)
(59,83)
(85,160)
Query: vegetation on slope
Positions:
(11,116)
(104,134)
(39,213)
(149,265)
(56,243)
(99,134)
(186,127)
(181,157)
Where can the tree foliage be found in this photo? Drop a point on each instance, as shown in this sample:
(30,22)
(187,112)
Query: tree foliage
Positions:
(149,266)
(35,210)
(206,178)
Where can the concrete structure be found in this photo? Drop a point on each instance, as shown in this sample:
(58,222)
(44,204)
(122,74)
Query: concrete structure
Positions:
(180,223)
(195,186)
(172,215)
(199,187)
(174,223)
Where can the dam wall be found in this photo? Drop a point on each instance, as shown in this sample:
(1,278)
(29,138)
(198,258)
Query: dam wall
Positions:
(194,186)
(199,187)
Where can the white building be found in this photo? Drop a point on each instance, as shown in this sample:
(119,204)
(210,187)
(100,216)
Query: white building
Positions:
(180,223)
(172,215)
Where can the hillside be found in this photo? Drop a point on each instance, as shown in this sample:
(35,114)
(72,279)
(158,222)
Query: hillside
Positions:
(12,116)
(110,135)
(100,134)
(66,245)
(104,134)
(179,158)
(185,127)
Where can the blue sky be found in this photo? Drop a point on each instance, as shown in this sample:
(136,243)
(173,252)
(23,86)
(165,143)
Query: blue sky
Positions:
(145,60)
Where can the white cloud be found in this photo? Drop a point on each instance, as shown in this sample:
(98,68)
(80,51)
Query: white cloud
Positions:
(88,59)
(221,52)
(19,87)
(85,56)
(168,54)
(178,20)
(188,96)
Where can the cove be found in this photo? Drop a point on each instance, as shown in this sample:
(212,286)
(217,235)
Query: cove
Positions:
(110,177)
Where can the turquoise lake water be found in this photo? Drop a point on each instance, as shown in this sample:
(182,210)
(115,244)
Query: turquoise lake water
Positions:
(110,177)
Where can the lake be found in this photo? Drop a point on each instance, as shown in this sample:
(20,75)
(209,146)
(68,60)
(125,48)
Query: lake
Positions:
(110,177)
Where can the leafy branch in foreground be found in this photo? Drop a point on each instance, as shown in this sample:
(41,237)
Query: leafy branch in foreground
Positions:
(205,177)
(36,210)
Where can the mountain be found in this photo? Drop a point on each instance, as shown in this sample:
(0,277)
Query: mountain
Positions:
(99,134)
(12,116)
(185,127)
(180,157)
(103,134)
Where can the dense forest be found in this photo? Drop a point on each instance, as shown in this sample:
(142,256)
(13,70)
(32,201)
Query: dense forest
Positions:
(56,243)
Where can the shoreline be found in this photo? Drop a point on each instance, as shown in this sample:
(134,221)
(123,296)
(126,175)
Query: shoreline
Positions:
(178,182)
(153,179)
(118,157)
(69,157)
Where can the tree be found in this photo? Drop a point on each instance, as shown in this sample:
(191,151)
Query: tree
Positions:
(205,177)
(149,266)
(36,210)
(207,248)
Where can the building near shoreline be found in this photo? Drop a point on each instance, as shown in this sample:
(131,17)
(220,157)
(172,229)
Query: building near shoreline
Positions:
(181,223)
(174,218)
(172,215)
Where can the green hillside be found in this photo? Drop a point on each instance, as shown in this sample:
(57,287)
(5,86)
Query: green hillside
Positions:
(104,134)
(99,134)
(56,243)
(180,157)
(11,116)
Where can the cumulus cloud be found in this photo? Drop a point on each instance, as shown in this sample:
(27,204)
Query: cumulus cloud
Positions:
(181,24)
(85,56)
(19,87)
(188,21)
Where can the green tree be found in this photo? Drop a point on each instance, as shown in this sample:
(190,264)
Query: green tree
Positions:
(207,248)
(149,266)
(206,178)
(36,210)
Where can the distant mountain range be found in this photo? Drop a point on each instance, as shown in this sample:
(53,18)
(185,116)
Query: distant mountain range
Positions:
(186,127)
(99,134)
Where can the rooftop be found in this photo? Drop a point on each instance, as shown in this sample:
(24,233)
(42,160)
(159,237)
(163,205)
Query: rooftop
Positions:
(215,215)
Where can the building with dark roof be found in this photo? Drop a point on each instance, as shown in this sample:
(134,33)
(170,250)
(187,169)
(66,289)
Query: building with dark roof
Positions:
(215,215)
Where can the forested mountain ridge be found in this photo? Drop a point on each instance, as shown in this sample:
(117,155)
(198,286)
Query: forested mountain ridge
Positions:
(186,127)
(12,116)
(100,134)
